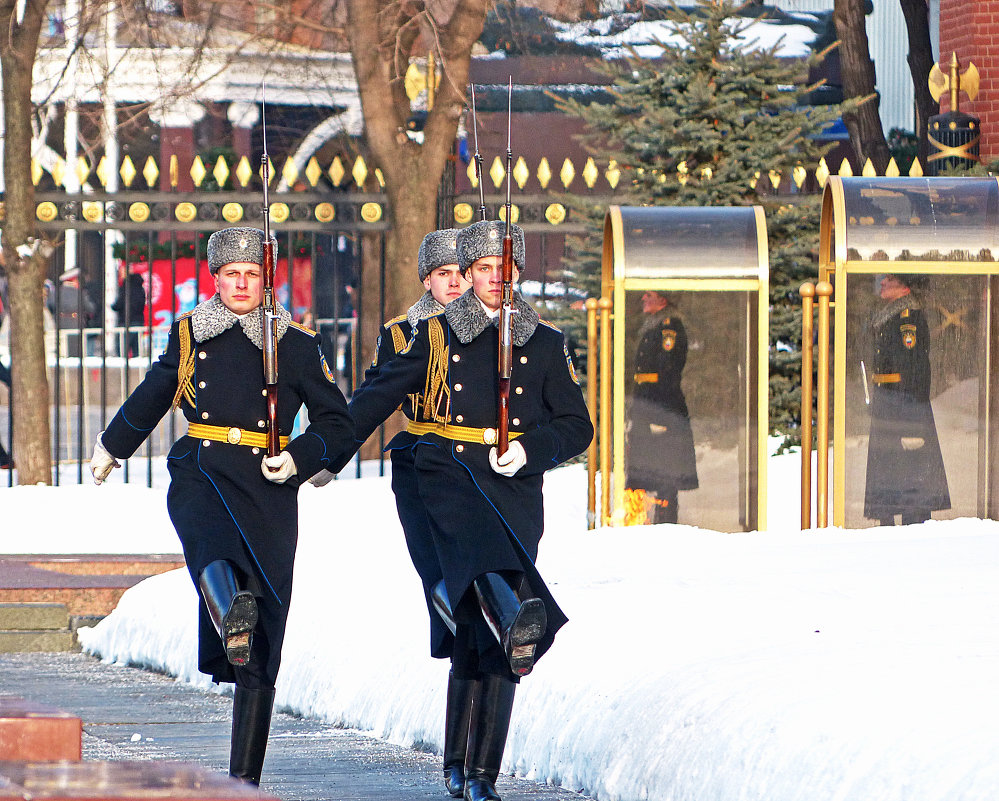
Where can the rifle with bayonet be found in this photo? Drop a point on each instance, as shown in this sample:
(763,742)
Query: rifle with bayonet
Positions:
(506,300)
(477,157)
(270,316)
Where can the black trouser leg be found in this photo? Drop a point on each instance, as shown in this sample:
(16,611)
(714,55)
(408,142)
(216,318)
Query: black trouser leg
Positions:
(516,624)
(487,733)
(461,694)
(232,609)
(251,724)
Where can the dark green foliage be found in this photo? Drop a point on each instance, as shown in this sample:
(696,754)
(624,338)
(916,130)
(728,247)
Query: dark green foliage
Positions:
(704,124)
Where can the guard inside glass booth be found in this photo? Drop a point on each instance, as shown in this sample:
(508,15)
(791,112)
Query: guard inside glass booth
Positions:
(689,292)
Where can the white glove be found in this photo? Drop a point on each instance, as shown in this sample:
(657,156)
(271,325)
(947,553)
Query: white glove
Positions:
(102,462)
(912,443)
(278,468)
(510,462)
(322,478)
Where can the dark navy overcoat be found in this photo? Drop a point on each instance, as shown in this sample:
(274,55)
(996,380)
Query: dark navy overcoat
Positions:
(482,521)
(219,502)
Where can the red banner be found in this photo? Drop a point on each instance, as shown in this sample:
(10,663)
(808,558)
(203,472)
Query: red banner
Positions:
(172,288)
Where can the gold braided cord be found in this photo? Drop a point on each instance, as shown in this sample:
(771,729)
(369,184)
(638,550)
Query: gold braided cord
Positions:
(436,390)
(185,369)
(398,338)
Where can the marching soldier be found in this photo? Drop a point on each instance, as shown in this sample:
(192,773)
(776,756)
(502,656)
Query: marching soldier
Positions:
(437,265)
(487,542)
(661,456)
(905,469)
(234,508)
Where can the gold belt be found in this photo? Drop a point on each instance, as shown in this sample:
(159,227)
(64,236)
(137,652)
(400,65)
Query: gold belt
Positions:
(481,436)
(887,378)
(232,435)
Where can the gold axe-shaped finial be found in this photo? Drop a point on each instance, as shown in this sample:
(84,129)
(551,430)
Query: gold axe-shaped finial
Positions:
(941,81)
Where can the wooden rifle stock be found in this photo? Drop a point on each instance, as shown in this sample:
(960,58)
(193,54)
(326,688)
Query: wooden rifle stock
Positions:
(270,349)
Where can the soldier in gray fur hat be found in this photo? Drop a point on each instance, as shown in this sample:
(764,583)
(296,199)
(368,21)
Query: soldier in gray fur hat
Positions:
(437,266)
(503,613)
(236,509)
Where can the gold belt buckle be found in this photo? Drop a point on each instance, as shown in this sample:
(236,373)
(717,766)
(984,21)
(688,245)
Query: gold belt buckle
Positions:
(233,436)
(489,436)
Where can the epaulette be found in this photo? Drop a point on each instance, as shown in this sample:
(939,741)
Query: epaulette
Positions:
(300,327)
(185,315)
(396,320)
(905,312)
(552,326)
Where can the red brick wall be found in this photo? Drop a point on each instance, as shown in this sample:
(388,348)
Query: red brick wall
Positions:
(971,29)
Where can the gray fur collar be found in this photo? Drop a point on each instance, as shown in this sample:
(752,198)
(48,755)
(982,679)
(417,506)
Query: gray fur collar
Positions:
(468,319)
(889,310)
(425,307)
(213,317)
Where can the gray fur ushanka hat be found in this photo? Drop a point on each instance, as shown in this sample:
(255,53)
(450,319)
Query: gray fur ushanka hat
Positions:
(485,238)
(437,249)
(235,244)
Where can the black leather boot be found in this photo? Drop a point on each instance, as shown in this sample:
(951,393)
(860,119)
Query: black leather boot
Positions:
(251,724)
(233,611)
(442,604)
(517,625)
(487,737)
(460,697)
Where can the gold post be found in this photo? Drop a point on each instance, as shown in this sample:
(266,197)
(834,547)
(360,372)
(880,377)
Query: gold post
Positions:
(605,305)
(807,293)
(592,361)
(824,290)
(955,82)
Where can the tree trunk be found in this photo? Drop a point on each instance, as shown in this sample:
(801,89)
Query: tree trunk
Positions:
(382,36)
(920,59)
(29,390)
(864,123)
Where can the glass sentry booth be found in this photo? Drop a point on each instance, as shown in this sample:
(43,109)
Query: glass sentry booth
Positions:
(914,271)
(689,293)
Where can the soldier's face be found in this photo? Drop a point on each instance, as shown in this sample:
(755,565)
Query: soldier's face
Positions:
(487,280)
(446,283)
(652,302)
(240,286)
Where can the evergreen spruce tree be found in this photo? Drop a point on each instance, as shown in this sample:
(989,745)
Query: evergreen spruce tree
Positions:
(705,122)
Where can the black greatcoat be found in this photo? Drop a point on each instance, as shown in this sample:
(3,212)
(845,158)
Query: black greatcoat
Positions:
(905,469)
(219,502)
(482,521)
(661,444)
(393,337)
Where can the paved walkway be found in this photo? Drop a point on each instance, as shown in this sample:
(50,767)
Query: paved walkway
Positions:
(135,714)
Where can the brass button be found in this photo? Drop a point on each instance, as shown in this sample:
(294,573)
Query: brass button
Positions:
(516,421)
(460,418)
(264,392)
(204,415)
(456,358)
(205,442)
(201,354)
(256,451)
(519,390)
(457,387)
(523,360)
(202,384)
(489,436)
(261,423)
(233,436)
(459,448)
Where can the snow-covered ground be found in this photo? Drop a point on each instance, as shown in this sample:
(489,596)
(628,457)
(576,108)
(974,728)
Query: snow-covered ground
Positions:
(832,665)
